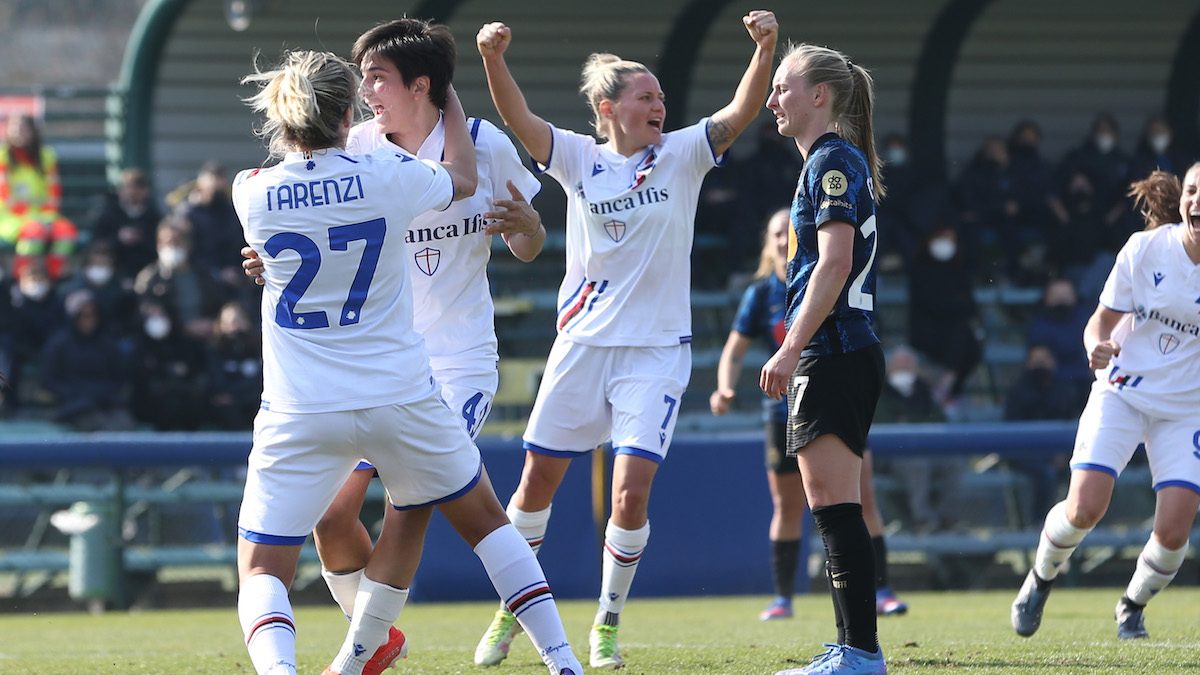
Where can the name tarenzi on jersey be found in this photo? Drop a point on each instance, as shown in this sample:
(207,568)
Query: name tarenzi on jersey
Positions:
(318,192)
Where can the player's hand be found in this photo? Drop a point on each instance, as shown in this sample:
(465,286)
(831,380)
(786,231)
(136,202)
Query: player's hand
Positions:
(513,216)
(719,401)
(493,39)
(777,372)
(1102,354)
(253,265)
(763,28)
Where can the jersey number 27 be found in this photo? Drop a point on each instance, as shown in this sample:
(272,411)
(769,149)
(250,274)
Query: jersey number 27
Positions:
(371,232)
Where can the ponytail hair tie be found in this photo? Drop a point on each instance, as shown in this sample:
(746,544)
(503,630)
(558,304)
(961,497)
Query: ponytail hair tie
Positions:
(850,66)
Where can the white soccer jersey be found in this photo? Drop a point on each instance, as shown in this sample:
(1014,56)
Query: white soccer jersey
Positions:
(630,222)
(449,251)
(337,305)
(1158,369)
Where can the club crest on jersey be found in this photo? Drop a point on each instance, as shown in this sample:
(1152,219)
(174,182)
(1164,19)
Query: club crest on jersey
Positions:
(427,260)
(834,183)
(615,230)
(1167,343)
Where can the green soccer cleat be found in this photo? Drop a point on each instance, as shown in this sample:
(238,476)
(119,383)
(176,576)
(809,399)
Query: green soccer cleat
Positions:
(604,650)
(493,646)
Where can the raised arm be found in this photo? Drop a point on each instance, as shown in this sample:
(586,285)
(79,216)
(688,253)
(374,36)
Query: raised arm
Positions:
(533,131)
(728,122)
(459,156)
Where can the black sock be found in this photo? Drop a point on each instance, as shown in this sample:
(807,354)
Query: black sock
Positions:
(1042,584)
(784,555)
(839,619)
(851,570)
(880,548)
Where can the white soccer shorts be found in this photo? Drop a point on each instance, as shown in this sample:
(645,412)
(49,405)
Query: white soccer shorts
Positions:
(589,395)
(1110,430)
(300,461)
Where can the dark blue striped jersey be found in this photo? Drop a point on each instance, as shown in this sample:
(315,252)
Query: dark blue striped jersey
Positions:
(760,315)
(835,184)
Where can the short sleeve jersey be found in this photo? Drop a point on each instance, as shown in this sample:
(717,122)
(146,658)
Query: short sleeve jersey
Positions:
(1158,368)
(760,316)
(630,222)
(835,184)
(448,251)
(337,304)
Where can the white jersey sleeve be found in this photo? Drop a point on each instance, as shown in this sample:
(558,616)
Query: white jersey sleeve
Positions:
(1158,368)
(496,151)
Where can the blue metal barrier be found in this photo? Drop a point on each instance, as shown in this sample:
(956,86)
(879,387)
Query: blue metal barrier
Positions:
(710,502)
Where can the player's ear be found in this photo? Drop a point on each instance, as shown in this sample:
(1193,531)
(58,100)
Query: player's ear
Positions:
(420,86)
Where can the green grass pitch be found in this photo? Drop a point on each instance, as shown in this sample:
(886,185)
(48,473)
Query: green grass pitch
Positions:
(949,632)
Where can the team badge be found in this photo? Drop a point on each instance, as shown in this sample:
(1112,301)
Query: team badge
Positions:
(834,183)
(615,230)
(1167,343)
(428,260)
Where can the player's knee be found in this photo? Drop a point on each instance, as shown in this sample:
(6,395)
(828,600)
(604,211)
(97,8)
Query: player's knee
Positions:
(631,501)
(1085,513)
(1172,539)
(336,519)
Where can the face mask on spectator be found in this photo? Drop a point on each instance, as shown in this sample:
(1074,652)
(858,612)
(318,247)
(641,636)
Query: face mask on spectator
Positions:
(903,381)
(1105,143)
(171,257)
(157,327)
(36,290)
(1160,142)
(897,156)
(942,249)
(98,275)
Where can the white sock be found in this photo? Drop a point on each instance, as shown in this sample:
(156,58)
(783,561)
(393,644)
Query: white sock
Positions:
(1057,543)
(375,611)
(531,524)
(267,624)
(622,552)
(521,584)
(343,586)
(1156,567)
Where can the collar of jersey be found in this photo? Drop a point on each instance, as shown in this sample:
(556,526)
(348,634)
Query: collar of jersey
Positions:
(821,140)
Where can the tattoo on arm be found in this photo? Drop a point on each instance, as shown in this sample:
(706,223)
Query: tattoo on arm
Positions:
(720,133)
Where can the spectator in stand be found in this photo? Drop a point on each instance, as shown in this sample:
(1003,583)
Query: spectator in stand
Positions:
(1036,203)
(169,369)
(234,369)
(86,371)
(1157,150)
(37,314)
(8,325)
(215,232)
(1102,161)
(97,274)
(1038,394)
(897,207)
(988,209)
(1058,324)
(942,315)
(930,484)
(1076,236)
(172,281)
(127,219)
(30,193)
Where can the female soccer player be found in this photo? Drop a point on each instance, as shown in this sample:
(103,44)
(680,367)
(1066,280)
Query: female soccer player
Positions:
(761,314)
(622,357)
(830,365)
(345,373)
(1142,341)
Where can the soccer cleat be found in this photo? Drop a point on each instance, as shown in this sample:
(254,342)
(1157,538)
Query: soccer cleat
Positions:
(1027,608)
(385,657)
(493,646)
(1131,620)
(780,608)
(843,660)
(604,650)
(887,604)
